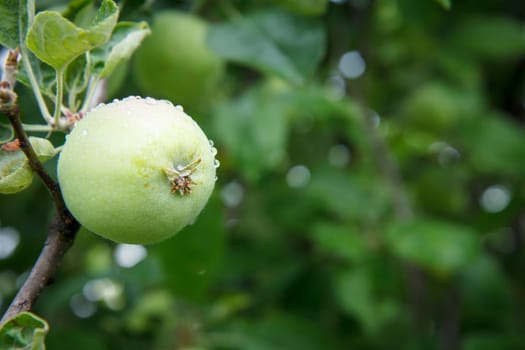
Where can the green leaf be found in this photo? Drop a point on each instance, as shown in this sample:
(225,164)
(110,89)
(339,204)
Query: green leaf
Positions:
(80,12)
(278,331)
(25,331)
(11,12)
(355,292)
(191,258)
(57,41)
(274,42)
(6,133)
(254,129)
(340,241)
(43,148)
(77,77)
(44,74)
(15,172)
(445,3)
(125,39)
(332,188)
(490,37)
(304,7)
(441,247)
(494,144)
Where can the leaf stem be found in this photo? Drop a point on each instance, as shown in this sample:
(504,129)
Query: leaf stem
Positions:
(92,88)
(37,127)
(26,60)
(59,96)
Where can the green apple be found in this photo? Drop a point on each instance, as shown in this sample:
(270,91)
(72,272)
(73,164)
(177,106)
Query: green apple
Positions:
(175,63)
(136,170)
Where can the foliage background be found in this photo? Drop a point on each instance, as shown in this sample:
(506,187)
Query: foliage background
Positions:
(377,212)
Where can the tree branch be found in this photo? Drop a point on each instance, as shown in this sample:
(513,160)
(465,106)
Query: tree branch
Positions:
(59,240)
(61,234)
(52,186)
(64,228)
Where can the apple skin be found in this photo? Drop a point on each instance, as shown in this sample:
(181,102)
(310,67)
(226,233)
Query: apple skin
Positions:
(113,167)
(175,63)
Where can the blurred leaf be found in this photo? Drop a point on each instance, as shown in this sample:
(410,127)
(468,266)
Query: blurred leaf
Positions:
(228,305)
(82,338)
(254,129)
(494,144)
(126,37)
(272,41)
(487,291)
(6,133)
(152,305)
(25,331)
(437,106)
(305,7)
(445,3)
(344,194)
(355,293)
(442,190)
(340,241)
(490,341)
(57,41)
(190,259)
(11,12)
(276,331)
(440,247)
(490,36)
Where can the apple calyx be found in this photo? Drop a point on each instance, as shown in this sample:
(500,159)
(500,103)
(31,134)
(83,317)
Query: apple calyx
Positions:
(179,177)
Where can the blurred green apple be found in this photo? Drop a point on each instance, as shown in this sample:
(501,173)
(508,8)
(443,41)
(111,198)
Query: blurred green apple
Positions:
(175,63)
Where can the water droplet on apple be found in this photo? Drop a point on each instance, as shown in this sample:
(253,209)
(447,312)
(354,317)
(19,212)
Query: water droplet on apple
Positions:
(216,163)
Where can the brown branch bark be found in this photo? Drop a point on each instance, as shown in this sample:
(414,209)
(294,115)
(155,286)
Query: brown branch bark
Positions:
(62,232)
(59,240)
(51,185)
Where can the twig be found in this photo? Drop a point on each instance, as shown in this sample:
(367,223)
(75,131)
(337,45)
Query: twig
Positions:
(61,234)
(59,240)
(13,115)
(65,226)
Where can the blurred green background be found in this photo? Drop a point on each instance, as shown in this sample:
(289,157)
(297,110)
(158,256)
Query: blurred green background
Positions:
(371,193)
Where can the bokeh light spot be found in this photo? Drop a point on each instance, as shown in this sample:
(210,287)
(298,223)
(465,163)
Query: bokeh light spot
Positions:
(352,65)
(232,194)
(81,307)
(495,198)
(339,156)
(9,239)
(129,255)
(298,176)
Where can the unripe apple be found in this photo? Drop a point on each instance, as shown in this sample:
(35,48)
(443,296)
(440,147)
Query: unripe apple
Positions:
(175,63)
(136,170)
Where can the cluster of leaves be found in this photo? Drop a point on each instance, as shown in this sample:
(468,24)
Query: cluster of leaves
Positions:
(64,56)
(313,240)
